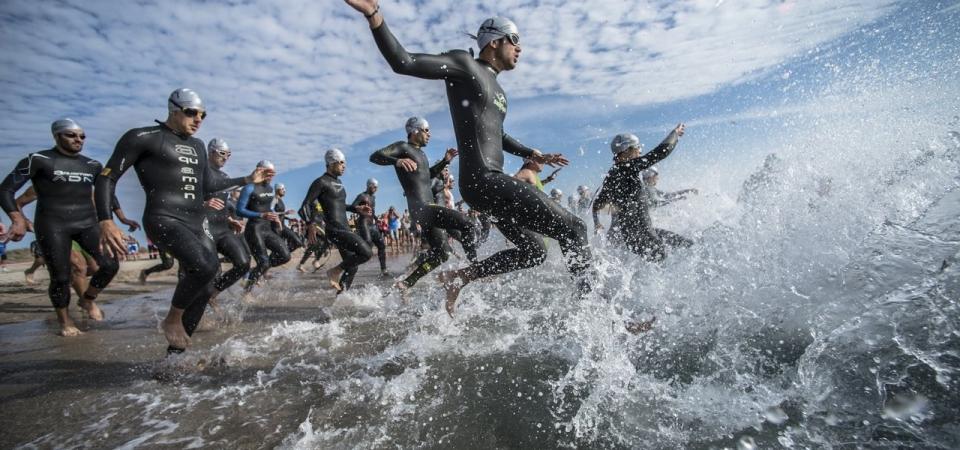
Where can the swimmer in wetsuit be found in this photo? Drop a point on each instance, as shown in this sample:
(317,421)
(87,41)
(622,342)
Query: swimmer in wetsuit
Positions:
(320,248)
(478,107)
(267,247)
(293,239)
(64,182)
(367,226)
(173,170)
(329,191)
(625,190)
(223,226)
(415,174)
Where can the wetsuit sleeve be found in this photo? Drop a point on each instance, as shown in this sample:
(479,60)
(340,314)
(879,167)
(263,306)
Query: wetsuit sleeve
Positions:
(513,146)
(437,168)
(656,155)
(352,208)
(306,208)
(387,156)
(601,200)
(114,202)
(420,65)
(127,152)
(243,201)
(22,173)
(213,183)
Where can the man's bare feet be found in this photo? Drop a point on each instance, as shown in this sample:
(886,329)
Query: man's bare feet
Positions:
(300,268)
(452,281)
(334,276)
(29,278)
(69,330)
(404,290)
(635,327)
(92,310)
(174,332)
(142,277)
(67,327)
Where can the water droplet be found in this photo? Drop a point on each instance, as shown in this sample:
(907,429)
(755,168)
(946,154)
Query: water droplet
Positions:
(465,103)
(775,415)
(499,369)
(746,443)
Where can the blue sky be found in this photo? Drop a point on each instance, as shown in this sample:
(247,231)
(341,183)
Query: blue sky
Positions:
(286,80)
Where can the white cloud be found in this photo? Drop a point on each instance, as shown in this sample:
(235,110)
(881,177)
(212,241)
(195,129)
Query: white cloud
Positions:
(289,78)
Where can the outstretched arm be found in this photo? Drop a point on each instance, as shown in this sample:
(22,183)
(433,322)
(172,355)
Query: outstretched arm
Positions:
(660,152)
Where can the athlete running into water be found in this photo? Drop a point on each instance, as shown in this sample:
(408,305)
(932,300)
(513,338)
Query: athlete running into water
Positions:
(329,191)
(415,173)
(223,227)
(173,170)
(267,247)
(367,226)
(624,189)
(478,107)
(293,239)
(64,182)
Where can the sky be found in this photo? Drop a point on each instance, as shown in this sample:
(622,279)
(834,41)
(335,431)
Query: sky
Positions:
(286,80)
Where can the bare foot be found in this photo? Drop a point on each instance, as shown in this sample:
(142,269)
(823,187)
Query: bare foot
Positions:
(452,282)
(142,277)
(175,334)
(334,276)
(92,310)
(640,327)
(300,269)
(29,278)
(404,290)
(69,330)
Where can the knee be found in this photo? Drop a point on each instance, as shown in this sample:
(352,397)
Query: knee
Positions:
(242,262)
(366,253)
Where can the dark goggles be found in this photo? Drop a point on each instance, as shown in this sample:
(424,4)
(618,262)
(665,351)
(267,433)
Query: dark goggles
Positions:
(72,135)
(190,112)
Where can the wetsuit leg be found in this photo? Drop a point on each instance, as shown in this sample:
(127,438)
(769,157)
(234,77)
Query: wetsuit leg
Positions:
(232,246)
(376,239)
(310,250)
(353,252)
(55,245)
(279,253)
(254,234)
(520,207)
(294,241)
(673,239)
(197,255)
(89,240)
(432,258)
(459,227)
(166,262)
(642,241)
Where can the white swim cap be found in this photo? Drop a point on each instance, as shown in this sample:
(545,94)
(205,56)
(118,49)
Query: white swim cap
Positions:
(556,193)
(495,28)
(279,186)
(650,172)
(65,124)
(333,156)
(415,124)
(218,145)
(265,165)
(373,182)
(184,98)
(582,189)
(623,142)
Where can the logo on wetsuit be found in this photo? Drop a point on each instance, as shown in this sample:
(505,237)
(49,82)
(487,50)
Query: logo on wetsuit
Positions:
(501,102)
(188,175)
(72,177)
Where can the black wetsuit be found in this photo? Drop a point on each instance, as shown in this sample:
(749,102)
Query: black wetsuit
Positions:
(625,190)
(294,240)
(433,219)
(174,173)
(228,243)
(256,199)
(367,228)
(478,107)
(65,213)
(329,191)
(166,263)
(319,249)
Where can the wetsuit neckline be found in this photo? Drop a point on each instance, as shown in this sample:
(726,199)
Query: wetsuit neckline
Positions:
(167,127)
(488,66)
(63,153)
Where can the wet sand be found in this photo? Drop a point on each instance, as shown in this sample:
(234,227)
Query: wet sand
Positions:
(45,379)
